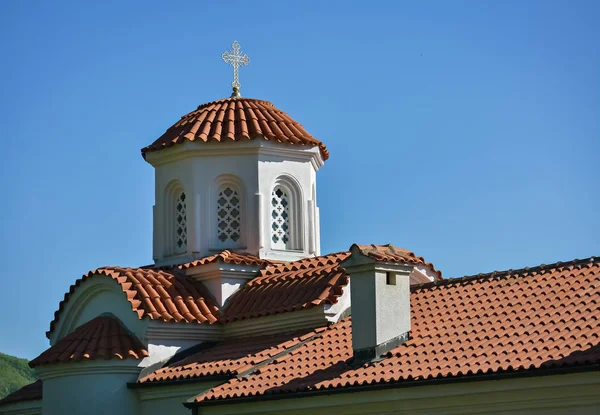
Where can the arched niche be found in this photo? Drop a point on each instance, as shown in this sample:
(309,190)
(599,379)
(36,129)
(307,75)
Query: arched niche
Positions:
(175,219)
(95,296)
(286,214)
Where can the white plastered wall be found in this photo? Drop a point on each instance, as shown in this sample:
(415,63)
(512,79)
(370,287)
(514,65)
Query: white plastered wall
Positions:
(276,168)
(199,177)
(256,165)
(161,400)
(89,387)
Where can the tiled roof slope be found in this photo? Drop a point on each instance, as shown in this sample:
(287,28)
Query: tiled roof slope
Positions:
(31,392)
(100,338)
(236,119)
(389,253)
(304,283)
(289,286)
(167,295)
(230,357)
(530,319)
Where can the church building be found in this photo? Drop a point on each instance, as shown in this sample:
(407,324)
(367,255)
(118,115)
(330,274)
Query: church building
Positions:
(241,312)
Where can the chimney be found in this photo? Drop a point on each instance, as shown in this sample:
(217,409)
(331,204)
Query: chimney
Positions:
(380,279)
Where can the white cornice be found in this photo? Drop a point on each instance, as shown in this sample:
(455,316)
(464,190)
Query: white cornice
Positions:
(95,367)
(298,153)
(278,323)
(30,407)
(258,146)
(183,390)
(292,320)
(221,269)
(160,330)
(341,308)
(422,273)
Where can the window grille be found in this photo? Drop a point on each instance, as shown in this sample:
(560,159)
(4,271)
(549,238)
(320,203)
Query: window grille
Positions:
(180,224)
(280,218)
(228,216)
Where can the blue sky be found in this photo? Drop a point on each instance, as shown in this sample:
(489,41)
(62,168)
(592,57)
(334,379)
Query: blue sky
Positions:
(466,131)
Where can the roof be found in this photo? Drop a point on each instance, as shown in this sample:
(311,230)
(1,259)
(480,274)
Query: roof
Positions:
(289,286)
(230,357)
(305,283)
(390,253)
(167,295)
(228,257)
(504,322)
(100,338)
(31,392)
(236,119)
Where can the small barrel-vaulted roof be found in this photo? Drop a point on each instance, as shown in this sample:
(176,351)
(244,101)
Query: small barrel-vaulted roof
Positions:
(100,338)
(165,295)
(236,119)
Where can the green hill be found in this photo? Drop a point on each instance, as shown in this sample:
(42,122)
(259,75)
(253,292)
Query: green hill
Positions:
(14,373)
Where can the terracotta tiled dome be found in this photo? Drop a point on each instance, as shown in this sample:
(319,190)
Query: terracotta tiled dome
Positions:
(236,119)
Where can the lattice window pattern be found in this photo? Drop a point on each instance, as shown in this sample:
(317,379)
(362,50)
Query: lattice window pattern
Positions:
(228,215)
(280,215)
(181,223)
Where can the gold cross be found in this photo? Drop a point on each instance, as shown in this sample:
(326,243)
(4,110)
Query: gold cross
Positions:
(235,59)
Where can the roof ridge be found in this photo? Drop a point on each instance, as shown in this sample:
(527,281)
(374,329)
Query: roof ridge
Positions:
(392,253)
(505,273)
(276,266)
(224,256)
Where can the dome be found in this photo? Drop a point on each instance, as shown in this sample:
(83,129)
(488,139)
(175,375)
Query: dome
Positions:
(236,119)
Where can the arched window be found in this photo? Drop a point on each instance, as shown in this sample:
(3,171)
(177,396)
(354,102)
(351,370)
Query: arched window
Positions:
(175,219)
(229,210)
(286,217)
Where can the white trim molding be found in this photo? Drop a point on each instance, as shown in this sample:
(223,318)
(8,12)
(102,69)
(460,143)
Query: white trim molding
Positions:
(189,149)
(556,394)
(88,367)
(30,407)
(278,323)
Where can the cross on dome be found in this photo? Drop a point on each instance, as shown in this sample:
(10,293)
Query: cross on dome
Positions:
(235,58)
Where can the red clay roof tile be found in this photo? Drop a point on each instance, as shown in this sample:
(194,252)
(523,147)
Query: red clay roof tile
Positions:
(542,317)
(228,257)
(236,119)
(389,253)
(230,357)
(167,295)
(31,392)
(100,338)
(304,284)
(289,286)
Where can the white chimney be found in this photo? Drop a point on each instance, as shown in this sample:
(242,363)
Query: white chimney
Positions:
(380,298)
